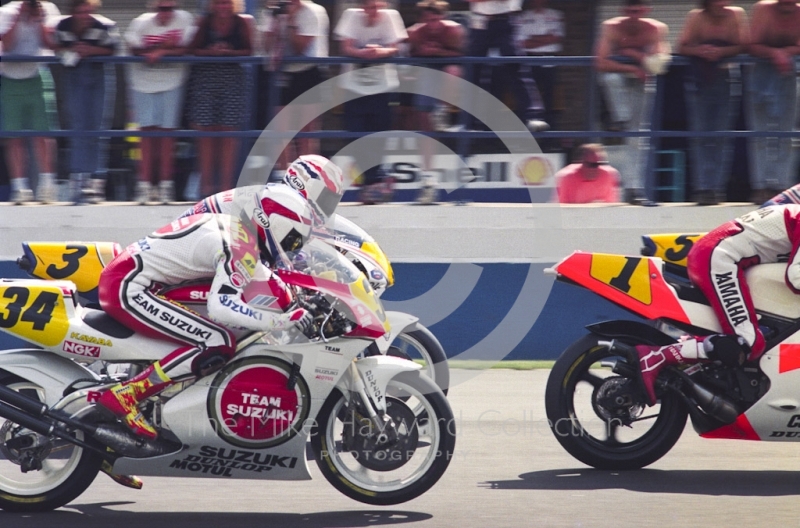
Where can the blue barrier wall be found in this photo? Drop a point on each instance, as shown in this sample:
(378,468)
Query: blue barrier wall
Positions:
(567,311)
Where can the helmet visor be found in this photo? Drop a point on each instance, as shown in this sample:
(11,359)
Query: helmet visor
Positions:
(293,241)
(327,201)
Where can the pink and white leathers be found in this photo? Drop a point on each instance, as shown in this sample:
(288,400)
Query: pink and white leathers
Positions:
(717,262)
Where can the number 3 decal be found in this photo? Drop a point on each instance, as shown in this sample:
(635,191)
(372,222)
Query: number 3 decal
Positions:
(71,262)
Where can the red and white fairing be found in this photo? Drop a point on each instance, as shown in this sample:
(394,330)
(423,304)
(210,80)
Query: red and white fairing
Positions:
(638,284)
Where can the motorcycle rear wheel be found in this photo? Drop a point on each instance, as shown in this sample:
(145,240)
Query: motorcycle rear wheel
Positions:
(395,474)
(588,431)
(67,470)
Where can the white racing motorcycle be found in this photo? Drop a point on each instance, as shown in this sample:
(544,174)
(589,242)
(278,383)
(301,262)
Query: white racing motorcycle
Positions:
(380,431)
(82,262)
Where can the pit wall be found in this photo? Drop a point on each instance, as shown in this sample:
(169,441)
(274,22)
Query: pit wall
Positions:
(472,273)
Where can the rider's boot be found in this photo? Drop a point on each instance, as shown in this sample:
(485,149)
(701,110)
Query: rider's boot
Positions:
(731,350)
(124,398)
(129,481)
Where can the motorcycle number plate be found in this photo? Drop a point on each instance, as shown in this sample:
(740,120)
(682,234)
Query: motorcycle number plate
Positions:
(34,313)
(630,275)
(77,262)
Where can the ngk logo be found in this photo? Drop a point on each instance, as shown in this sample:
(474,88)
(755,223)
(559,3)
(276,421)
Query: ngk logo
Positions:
(81,349)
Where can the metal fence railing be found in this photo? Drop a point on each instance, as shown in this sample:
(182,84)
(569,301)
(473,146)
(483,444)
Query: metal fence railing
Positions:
(464,137)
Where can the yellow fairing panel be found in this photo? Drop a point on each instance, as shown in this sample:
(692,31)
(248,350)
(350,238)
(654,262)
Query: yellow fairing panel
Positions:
(374,250)
(672,248)
(35,311)
(79,262)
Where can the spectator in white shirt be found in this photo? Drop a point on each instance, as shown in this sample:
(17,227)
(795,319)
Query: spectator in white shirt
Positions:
(24,31)
(370,33)
(157,89)
(298,28)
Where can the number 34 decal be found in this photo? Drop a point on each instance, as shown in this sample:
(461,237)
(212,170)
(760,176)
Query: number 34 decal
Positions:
(34,313)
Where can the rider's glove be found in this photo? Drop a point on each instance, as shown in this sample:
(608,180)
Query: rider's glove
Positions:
(300,318)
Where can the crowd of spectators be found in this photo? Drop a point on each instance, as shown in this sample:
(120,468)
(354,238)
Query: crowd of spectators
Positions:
(631,51)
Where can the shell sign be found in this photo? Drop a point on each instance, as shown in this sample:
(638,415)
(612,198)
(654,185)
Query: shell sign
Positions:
(534,170)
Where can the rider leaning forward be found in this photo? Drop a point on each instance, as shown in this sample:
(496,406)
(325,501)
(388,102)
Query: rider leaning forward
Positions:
(717,264)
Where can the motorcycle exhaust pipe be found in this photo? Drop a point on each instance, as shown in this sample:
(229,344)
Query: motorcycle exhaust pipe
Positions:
(42,427)
(21,401)
(26,420)
(712,404)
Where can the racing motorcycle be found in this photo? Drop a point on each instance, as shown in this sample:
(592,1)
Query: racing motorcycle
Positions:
(415,341)
(82,263)
(380,431)
(596,399)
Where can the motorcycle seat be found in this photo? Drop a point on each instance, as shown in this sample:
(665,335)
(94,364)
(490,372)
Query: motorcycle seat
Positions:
(102,322)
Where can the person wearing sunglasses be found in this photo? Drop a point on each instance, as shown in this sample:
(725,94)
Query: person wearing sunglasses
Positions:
(157,89)
(590,179)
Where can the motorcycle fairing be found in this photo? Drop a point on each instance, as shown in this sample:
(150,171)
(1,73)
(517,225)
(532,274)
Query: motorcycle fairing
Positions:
(400,322)
(37,311)
(776,416)
(635,283)
(186,416)
(672,248)
(48,371)
(45,313)
(358,296)
(79,262)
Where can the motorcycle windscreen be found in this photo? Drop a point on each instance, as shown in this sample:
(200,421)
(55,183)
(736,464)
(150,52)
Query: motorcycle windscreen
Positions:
(79,262)
(672,248)
(635,283)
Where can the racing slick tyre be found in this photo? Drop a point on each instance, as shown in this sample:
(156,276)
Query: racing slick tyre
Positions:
(362,463)
(422,346)
(66,470)
(601,418)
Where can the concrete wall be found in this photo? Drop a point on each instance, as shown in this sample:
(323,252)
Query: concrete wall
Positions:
(473,274)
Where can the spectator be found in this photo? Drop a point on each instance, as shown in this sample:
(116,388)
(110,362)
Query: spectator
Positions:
(24,32)
(298,28)
(539,32)
(631,50)
(216,99)
(589,180)
(373,34)
(490,27)
(157,89)
(433,36)
(771,100)
(78,37)
(712,34)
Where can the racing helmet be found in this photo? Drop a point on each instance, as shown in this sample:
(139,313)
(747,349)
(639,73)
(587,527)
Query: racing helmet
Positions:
(282,219)
(319,180)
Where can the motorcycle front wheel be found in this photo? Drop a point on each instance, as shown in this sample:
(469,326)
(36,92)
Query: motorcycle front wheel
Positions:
(601,418)
(421,345)
(370,469)
(66,469)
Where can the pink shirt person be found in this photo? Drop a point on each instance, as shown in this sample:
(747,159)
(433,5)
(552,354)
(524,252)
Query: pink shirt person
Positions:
(590,180)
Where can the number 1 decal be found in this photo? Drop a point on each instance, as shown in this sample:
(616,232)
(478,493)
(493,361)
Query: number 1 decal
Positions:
(622,281)
(629,275)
